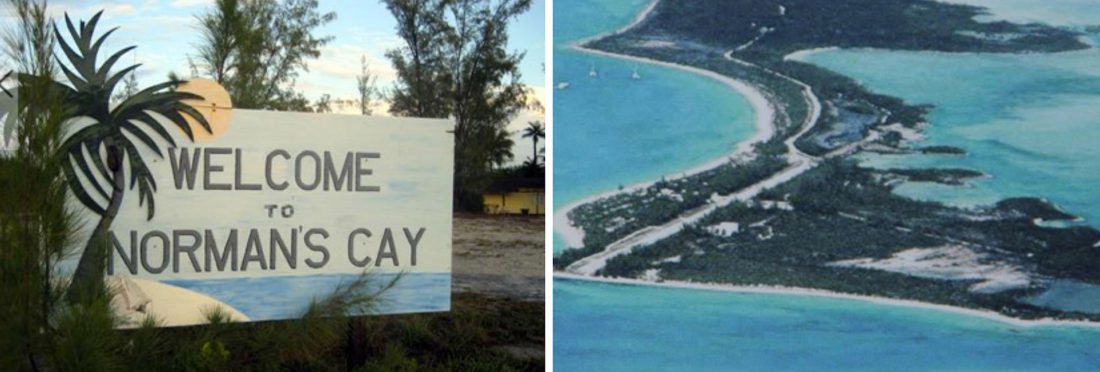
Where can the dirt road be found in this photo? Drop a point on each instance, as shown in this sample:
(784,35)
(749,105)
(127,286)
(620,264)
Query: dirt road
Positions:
(500,256)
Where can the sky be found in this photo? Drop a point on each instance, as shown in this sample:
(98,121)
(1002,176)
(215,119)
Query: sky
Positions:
(166,33)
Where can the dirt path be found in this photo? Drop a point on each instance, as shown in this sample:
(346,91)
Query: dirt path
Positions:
(500,256)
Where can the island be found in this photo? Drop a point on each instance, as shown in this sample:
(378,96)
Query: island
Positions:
(792,208)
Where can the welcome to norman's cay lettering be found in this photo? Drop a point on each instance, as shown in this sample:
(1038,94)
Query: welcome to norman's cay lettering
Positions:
(311,170)
(297,199)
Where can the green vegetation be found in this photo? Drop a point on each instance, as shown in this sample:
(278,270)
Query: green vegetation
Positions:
(479,334)
(454,63)
(535,130)
(943,150)
(1032,208)
(612,218)
(256,49)
(842,212)
(948,176)
(888,24)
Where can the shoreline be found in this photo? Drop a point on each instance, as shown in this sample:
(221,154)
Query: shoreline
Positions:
(820,293)
(801,55)
(764,111)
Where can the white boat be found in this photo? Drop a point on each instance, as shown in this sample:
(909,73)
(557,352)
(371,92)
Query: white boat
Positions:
(635,75)
(592,71)
(563,85)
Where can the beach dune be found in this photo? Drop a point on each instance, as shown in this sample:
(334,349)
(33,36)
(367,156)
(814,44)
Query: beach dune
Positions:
(138,298)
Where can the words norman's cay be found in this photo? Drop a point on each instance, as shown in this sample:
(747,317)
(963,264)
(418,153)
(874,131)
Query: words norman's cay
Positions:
(250,249)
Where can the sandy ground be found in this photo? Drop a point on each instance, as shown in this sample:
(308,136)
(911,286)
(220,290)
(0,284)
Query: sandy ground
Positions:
(172,306)
(949,262)
(500,256)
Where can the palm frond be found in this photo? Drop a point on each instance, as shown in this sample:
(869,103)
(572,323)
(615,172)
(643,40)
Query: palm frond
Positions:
(142,177)
(82,195)
(98,161)
(145,139)
(123,128)
(145,118)
(81,163)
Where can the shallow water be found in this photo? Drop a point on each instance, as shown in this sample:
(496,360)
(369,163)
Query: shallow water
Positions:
(1032,122)
(1069,295)
(611,130)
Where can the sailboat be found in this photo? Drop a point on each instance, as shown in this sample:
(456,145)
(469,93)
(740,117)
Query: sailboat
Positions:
(592,71)
(635,75)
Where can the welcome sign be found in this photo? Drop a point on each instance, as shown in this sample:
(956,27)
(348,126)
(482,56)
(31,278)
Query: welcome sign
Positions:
(274,209)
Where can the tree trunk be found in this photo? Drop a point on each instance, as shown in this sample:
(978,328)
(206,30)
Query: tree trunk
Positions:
(92,267)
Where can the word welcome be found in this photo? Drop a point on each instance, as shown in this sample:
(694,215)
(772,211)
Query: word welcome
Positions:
(310,170)
(190,250)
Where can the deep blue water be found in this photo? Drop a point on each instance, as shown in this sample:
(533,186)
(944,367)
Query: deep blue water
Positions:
(285,297)
(610,327)
(1030,121)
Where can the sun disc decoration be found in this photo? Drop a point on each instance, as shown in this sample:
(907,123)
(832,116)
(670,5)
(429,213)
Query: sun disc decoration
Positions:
(216,107)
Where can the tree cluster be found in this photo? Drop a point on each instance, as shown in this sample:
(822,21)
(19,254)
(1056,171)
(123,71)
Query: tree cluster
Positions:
(454,63)
(256,49)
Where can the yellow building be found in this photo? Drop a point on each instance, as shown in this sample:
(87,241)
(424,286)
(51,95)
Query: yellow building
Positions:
(526,196)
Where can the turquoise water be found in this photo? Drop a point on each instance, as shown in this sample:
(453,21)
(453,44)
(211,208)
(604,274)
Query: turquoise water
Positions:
(608,327)
(1069,295)
(612,130)
(1038,143)
(1030,121)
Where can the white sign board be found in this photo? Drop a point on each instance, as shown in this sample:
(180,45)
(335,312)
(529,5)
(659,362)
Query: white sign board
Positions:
(280,208)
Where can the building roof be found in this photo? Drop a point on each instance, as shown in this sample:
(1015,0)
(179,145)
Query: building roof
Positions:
(513,184)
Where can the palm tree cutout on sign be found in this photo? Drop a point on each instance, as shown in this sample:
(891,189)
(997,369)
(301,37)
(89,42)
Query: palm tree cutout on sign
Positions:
(534,131)
(98,151)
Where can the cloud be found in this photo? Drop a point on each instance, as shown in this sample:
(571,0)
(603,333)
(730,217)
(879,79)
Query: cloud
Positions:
(189,3)
(343,62)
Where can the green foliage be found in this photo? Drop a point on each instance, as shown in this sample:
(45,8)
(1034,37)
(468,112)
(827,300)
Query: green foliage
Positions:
(454,64)
(423,79)
(367,84)
(534,130)
(842,212)
(85,338)
(610,219)
(35,229)
(500,148)
(256,49)
(461,340)
(892,24)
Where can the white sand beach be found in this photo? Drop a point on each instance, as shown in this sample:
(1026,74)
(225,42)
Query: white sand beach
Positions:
(797,291)
(801,55)
(765,129)
(172,306)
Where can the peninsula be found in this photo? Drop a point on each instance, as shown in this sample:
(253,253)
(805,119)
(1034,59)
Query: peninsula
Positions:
(791,208)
